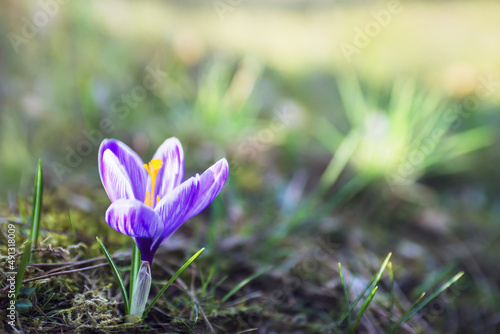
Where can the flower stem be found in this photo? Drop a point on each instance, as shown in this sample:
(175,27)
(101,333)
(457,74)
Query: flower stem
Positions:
(134,270)
(141,292)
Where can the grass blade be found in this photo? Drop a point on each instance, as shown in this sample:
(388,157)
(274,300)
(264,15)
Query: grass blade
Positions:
(205,282)
(393,296)
(415,308)
(400,322)
(243,283)
(345,293)
(434,279)
(371,295)
(171,280)
(382,269)
(372,284)
(363,308)
(114,268)
(72,227)
(37,206)
(339,161)
(348,313)
(25,259)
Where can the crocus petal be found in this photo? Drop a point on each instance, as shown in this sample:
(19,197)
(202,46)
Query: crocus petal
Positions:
(131,166)
(211,183)
(115,178)
(173,208)
(134,218)
(171,173)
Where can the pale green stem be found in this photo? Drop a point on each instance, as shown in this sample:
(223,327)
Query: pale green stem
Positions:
(141,292)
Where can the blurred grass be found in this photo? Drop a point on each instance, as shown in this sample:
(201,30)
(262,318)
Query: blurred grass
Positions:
(69,66)
(397,138)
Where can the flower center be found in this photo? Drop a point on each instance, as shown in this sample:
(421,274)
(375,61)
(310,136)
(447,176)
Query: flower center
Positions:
(153,167)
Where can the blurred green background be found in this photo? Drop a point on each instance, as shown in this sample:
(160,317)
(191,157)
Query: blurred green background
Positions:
(376,123)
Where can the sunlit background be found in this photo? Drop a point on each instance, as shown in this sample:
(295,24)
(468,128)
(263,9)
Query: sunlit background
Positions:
(372,123)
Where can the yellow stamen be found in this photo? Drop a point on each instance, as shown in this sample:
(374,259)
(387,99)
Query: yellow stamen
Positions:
(153,167)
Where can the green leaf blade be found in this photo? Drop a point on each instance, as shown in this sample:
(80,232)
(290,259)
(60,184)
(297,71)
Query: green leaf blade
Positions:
(415,308)
(23,264)
(171,280)
(37,205)
(243,283)
(116,273)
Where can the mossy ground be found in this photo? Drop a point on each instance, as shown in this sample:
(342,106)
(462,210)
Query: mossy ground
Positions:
(297,288)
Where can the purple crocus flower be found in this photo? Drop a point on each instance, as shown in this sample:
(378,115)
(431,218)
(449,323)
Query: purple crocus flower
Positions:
(150,201)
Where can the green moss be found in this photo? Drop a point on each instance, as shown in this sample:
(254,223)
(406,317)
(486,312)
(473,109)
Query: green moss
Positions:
(91,310)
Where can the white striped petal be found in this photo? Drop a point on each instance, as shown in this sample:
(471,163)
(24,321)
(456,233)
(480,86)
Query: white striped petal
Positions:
(173,208)
(134,218)
(171,173)
(211,183)
(131,167)
(115,178)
